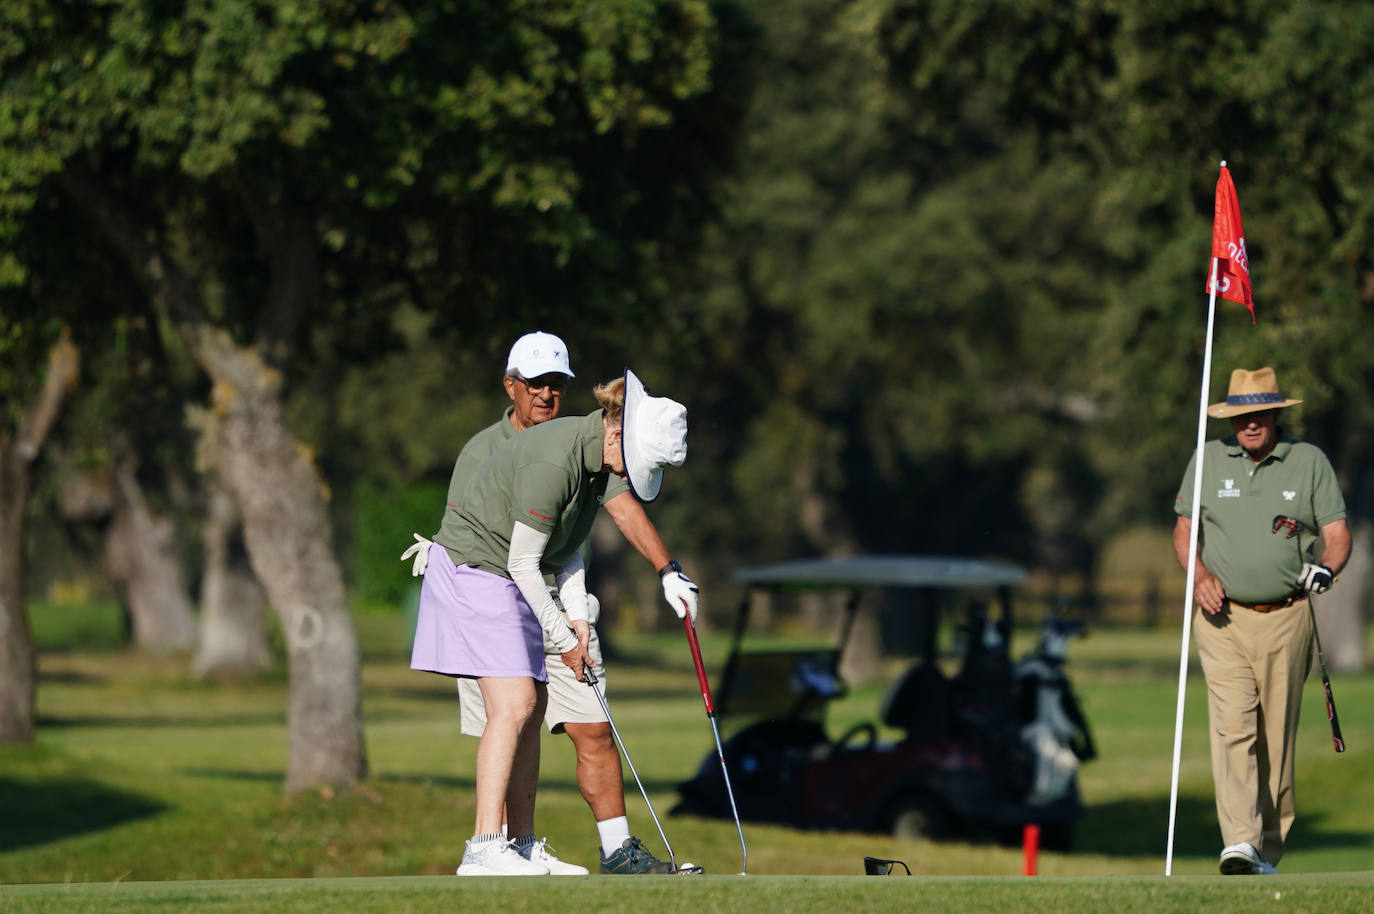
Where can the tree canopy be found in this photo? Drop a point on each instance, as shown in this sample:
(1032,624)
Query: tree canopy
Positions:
(928,274)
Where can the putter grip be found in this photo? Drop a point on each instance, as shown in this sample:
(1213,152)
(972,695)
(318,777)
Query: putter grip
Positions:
(696,661)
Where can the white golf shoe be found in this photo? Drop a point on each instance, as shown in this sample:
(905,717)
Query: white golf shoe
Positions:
(497,858)
(539,852)
(1243,860)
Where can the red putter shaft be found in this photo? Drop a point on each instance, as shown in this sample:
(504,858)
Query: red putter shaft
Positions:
(701,668)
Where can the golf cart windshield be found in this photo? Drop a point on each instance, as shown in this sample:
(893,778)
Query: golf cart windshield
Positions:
(799,682)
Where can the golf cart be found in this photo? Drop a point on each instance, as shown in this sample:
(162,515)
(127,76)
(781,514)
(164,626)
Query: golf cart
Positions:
(981,753)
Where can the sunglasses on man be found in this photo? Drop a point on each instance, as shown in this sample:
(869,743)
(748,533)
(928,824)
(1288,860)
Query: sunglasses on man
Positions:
(554,382)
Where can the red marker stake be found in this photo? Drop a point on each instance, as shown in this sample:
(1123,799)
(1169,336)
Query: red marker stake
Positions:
(1030,849)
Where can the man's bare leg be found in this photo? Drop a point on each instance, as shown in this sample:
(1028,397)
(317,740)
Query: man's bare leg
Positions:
(599,776)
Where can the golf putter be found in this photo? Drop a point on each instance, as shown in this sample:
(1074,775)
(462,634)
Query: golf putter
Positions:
(590,677)
(1294,527)
(691,630)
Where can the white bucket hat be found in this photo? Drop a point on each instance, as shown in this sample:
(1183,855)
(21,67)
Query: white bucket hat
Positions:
(539,353)
(653,435)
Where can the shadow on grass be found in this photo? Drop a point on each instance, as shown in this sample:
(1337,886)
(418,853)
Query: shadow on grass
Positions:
(550,784)
(145,722)
(70,677)
(624,695)
(446,781)
(1139,826)
(37,812)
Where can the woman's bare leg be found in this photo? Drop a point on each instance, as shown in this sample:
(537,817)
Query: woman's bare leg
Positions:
(511,703)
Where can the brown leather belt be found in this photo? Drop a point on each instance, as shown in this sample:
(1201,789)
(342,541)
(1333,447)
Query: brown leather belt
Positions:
(1286,602)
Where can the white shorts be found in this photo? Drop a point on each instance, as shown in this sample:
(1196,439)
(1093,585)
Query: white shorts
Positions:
(570,701)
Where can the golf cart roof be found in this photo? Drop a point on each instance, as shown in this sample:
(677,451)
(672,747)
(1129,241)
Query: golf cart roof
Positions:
(884,571)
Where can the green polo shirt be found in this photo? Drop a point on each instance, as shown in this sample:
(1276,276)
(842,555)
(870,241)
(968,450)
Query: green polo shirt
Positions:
(481,446)
(1239,503)
(548,477)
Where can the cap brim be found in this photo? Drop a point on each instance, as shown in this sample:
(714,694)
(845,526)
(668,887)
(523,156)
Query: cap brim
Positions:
(644,479)
(1224,410)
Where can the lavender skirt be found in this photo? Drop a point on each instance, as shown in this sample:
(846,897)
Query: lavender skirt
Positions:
(474,623)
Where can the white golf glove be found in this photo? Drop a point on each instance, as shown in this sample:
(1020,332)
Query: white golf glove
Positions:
(419,553)
(1315,578)
(681,594)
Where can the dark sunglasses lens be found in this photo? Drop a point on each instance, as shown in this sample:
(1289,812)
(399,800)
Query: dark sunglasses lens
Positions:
(557,384)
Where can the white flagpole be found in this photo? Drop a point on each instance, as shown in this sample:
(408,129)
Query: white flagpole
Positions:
(1192,565)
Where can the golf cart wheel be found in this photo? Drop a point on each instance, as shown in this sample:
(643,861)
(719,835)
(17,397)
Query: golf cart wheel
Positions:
(918,817)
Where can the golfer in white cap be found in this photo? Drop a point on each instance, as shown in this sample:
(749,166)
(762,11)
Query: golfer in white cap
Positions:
(536,377)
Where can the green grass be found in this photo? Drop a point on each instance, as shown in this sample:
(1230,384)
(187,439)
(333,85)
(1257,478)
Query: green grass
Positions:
(85,625)
(1327,894)
(140,774)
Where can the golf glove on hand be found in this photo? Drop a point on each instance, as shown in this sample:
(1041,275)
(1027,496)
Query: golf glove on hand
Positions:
(681,594)
(419,553)
(1315,578)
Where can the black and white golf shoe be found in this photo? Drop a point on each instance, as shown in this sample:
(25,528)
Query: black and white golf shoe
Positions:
(633,857)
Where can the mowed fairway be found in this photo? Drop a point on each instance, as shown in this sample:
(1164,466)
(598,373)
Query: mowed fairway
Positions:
(1345,893)
(149,791)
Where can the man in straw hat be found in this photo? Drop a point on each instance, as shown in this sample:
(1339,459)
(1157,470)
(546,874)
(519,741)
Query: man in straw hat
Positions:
(1254,633)
(537,373)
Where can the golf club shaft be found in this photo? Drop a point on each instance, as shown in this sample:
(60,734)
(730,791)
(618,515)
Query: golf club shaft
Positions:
(606,708)
(690,627)
(1336,739)
(1295,527)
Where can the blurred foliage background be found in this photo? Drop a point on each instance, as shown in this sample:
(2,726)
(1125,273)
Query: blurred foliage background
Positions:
(927,275)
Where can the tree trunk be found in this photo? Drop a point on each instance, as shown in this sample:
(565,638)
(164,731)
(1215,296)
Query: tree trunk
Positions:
(141,560)
(16,643)
(271,476)
(17,453)
(233,607)
(281,498)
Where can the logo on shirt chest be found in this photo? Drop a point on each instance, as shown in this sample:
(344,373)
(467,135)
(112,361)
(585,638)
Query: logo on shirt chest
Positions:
(1229,489)
(1289,495)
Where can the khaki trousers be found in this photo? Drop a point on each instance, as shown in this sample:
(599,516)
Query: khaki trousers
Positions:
(1255,664)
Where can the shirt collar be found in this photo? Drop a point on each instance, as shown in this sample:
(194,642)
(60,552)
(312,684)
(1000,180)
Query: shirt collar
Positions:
(507,426)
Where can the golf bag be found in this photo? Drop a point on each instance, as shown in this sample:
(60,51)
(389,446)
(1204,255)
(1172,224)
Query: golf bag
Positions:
(1053,727)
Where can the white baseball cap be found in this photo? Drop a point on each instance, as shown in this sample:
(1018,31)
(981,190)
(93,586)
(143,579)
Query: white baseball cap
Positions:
(653,435)
(539,353)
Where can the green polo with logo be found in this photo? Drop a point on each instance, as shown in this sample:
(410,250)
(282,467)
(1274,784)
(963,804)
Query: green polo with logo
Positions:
(548,477)
(1240,500)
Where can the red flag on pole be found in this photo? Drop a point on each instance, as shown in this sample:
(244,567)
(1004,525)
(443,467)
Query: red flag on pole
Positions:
(1228,246)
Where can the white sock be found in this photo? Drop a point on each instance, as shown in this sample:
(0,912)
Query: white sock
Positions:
(485,839)
(614,833)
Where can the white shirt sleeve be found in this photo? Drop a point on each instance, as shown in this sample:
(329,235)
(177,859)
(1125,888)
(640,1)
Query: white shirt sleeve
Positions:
(526,549)
(572,588)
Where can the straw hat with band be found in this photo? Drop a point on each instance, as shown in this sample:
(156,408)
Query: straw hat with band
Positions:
(1250,392)
(653,435)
